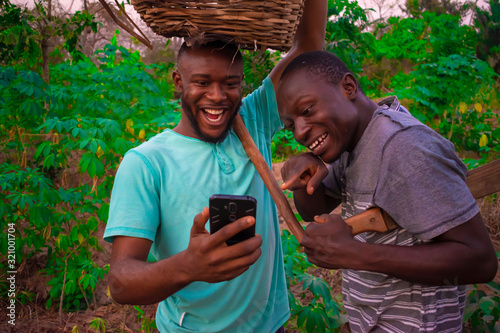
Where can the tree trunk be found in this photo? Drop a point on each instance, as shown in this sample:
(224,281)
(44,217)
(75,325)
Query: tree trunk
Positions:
(45,44)
(45,48)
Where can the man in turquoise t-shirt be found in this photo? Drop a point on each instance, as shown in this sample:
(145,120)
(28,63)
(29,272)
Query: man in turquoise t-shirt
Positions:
(162,188)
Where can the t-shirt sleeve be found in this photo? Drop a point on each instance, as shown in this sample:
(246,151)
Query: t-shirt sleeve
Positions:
(259,110)
(134,206)
(422,183)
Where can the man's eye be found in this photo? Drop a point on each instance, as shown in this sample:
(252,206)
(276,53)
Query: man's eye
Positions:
(289,126)
(307,111)
(202,83)
(232,84)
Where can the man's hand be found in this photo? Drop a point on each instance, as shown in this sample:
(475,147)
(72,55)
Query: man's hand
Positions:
(132,280)
(303,172)
(209,259)
(329,242)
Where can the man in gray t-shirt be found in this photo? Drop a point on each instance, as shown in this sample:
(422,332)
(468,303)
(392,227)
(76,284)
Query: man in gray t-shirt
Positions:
(411,279)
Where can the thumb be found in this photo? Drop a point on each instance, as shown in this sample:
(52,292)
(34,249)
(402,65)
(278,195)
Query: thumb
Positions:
(199,223)
(321,218)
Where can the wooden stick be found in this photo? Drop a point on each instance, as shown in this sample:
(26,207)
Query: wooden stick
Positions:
(484,180)
(267,176)
(374,219)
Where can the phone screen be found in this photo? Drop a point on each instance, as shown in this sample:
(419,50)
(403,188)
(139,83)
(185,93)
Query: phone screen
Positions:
(225,209)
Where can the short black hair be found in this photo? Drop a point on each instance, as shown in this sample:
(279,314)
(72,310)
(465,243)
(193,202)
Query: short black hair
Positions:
(229,49)
(322,64)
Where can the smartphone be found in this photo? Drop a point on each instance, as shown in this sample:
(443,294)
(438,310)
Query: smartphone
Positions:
(227,208)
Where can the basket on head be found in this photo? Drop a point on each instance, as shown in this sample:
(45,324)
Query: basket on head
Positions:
(257,24)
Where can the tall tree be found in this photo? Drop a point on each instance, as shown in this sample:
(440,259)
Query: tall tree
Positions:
(488,23)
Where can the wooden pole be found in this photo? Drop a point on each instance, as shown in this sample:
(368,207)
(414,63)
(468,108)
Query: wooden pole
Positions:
(267,176)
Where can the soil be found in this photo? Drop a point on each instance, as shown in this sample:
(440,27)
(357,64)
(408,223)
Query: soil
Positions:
(33,317)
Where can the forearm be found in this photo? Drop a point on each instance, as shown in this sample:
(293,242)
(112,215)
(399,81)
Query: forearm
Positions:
(310,35)
(133,281)
(432,264)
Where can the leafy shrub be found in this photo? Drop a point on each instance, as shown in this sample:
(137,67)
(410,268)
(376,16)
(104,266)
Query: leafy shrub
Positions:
(323,313)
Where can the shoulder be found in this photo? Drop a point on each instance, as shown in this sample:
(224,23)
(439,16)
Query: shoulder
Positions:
(401,130)
(146,155)
(259,111)
(154,144)
(263,97)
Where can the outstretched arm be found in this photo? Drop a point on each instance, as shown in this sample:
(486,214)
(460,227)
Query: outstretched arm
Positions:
(132,280)
(310,35)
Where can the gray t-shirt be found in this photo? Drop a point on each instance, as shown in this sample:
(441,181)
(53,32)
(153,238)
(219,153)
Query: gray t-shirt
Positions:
(414,174)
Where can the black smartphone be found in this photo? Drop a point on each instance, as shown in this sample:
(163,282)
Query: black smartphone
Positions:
(227,208)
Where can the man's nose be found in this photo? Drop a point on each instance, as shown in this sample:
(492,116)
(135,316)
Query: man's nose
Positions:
(216,93)
(301,128)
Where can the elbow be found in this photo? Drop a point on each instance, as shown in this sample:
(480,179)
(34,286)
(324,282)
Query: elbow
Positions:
(118,298)
(485,265)
(117,288)
(490,267)
(303,47)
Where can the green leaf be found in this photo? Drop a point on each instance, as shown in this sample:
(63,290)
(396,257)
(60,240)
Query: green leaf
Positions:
(40,215)
(44,148)
(321,288)
(95,167)
(92,223)
(85,161)
(49,161)
(303,315)
(486,304)
(93,146)
(70,287)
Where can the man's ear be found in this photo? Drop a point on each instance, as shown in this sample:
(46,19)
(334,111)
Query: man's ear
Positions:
(176,76)
(350,86)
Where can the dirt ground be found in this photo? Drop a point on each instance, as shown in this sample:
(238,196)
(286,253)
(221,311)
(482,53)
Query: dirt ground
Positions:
(34,317)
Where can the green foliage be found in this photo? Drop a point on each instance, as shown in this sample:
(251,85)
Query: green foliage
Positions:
(98,325)
(71,29)
(460,81)
(22,34)
(18,40)
(482,312)
(256,67)
(488,23)
(417,8)
(88,113)
(323,313)
(49,219)
(284,145)
(430,63)
(344,34)
(148,325)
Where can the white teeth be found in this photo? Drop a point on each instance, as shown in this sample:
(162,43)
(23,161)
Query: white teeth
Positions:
(316,143)
(214,111)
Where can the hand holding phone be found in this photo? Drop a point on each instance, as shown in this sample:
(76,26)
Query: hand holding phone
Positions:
(226,208)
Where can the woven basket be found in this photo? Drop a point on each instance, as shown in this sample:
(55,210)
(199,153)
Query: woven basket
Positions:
(257,24)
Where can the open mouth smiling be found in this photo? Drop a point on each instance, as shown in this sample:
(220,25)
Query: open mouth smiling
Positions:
(318,142)
(213,115)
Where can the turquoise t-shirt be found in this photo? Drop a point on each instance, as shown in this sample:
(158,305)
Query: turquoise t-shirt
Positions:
(159,188)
